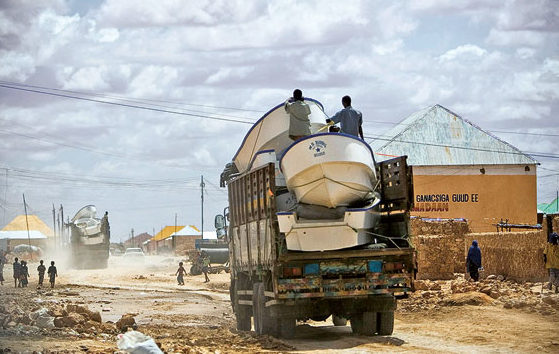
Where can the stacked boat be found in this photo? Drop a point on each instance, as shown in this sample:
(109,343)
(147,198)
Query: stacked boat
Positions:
(325,182)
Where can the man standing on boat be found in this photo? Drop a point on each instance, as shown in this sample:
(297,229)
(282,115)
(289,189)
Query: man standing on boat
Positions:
(299,122)
(350,119)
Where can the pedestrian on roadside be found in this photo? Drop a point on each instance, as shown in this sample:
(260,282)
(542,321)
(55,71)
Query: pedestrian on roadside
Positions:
(41,269)
(180,274)
(16,266)
(299,111)
(350,120)
(24,274)
(52,274)
(473,261)
(206,265)
(551,260)
(2,262)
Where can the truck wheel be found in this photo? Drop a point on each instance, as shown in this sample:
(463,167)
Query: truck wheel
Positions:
(385,323)
(339,321)
(263,322)
(243,318)
(364,323)
(287,327)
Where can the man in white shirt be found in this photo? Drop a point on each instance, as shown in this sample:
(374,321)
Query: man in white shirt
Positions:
(299,122)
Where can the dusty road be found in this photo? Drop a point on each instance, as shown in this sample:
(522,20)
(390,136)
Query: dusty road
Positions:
(495,316)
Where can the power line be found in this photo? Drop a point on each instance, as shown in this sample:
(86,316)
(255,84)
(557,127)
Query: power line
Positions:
(127,105)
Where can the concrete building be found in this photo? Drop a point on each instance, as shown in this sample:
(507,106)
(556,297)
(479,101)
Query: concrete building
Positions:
(462,171)
(10,239)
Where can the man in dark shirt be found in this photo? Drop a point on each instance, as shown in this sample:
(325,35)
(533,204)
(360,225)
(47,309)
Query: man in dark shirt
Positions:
(350,119)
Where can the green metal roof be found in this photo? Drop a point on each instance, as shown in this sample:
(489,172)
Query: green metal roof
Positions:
(551,208)
(438,136)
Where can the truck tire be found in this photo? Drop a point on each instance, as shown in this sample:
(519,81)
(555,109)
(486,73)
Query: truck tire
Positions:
(242,316)
(364,323)
(339,321)
(263,322)
(385,323)
(287,327)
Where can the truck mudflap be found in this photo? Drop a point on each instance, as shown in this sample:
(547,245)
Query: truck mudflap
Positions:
(317,287)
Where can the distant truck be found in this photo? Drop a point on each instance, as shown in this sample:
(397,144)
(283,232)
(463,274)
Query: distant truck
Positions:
(277,286)
(89,239)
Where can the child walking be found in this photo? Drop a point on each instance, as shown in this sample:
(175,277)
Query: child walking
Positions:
(180,274)
(24,274)
(41,269)
(52,274)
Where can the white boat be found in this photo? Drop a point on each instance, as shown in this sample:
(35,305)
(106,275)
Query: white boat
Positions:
(352,229)
(271,132)
(330,169)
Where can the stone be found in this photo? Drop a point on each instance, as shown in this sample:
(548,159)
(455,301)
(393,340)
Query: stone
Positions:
(550,300)
(125,322)
(491,277)
(95,316)
(500,277)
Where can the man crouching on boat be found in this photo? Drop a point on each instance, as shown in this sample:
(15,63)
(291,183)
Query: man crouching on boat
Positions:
(299,123)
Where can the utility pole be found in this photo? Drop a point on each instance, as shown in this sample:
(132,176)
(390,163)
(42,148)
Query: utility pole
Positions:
(26,221)
(5,198)
(202,185)
(54,225)
(63,228)
(132,238)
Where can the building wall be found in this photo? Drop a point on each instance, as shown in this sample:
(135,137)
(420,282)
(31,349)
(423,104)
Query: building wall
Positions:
(183,244)
(501,192)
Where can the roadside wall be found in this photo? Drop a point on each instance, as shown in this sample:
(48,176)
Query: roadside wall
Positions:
(440,246)
(515,255)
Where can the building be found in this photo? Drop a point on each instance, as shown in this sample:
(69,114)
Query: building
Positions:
(10,239)
(137,241)
(462,171)
(15,232)
(184,240)
(162,242)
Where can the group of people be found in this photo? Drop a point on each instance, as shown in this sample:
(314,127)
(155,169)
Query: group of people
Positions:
(21,273)
(350,120)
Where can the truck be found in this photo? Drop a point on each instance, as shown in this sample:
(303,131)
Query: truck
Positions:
(89,239)
(277,287)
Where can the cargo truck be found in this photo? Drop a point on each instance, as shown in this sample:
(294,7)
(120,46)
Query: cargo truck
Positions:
(277,286)
(89,239)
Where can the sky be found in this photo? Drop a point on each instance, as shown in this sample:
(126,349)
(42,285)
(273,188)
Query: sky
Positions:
(126,104)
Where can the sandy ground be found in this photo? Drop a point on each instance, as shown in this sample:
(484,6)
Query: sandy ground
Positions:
(197,317)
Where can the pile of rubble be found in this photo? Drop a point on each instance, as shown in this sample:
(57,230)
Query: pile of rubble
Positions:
(58,318)
(494,290)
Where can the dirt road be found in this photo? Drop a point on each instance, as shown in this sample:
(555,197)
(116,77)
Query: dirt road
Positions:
(445,316)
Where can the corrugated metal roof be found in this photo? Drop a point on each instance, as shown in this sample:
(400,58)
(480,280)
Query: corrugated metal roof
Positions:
(166,232)
(21,235)
(35,223)
(438,136)
(189,230)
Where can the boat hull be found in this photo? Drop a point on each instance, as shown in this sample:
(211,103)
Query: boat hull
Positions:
(329,169)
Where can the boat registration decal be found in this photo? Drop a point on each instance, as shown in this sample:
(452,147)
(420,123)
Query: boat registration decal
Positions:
(318,147)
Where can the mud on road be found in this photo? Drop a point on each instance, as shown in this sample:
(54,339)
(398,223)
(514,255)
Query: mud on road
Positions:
(444,316)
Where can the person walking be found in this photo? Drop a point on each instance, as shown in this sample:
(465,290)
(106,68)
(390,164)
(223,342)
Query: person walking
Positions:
(41,269)
(52,274)
(299,111)
(24,274)
(2,263)
(551,260)
(350,120)
(206,265)
(16,266)
(180,274)
(473,261)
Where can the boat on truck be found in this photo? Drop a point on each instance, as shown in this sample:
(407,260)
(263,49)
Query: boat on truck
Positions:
(316,229)
(89,239)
